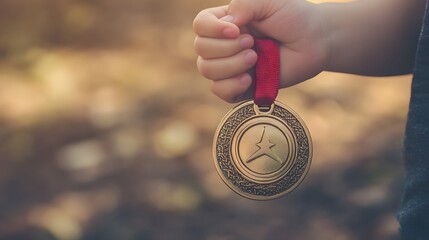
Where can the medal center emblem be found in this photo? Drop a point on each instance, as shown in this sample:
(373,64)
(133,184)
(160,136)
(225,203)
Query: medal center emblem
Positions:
(265,146)
(263,149)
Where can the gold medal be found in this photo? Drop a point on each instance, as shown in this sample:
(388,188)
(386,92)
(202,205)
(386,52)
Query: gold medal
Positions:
(262,153)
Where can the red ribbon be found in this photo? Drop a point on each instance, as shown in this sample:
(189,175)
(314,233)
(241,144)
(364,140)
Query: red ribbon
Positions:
(267,72)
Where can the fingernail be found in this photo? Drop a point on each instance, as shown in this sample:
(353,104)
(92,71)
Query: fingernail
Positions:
(245,79)
(246,42)
(249,57)
(228,18)
(229,32)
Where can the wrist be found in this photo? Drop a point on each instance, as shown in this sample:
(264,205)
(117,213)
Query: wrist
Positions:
(321,33)
(324,12)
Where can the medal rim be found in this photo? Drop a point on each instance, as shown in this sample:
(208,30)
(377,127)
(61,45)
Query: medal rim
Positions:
(232,186)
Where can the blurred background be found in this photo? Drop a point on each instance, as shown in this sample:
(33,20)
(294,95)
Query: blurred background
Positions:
(106,131)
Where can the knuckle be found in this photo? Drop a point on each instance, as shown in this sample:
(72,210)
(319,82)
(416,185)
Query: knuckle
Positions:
(240,3)
(204,68)
(216,91)
(253,5)
(198,23)
(198,46)
(199,64)
(222,94)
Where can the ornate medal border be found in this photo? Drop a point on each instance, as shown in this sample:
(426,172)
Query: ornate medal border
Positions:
(234,180)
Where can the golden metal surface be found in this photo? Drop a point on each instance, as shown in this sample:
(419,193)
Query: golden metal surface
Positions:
(262,155)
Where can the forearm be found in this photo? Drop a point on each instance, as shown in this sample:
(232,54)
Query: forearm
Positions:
(373,37)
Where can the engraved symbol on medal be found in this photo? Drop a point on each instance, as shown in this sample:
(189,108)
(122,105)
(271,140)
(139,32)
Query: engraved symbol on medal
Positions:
(262,155)
(265,146)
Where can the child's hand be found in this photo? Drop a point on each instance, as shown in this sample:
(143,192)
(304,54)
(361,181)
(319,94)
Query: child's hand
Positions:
(224,43)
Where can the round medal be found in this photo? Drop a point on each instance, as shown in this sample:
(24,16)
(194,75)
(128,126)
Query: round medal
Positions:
(262,149)
(262,155)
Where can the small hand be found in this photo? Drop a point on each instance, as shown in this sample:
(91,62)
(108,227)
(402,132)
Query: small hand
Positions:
(224,43)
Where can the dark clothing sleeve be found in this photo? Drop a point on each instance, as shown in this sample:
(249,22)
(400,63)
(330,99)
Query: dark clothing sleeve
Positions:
(414,213)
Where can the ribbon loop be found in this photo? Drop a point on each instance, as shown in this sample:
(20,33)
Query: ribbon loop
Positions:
(267,72)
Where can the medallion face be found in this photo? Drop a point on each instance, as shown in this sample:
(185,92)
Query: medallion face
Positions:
(262,155)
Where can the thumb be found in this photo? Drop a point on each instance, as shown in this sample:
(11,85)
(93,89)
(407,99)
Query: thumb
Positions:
(245,11)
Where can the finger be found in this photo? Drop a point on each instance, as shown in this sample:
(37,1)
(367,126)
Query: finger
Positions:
(215,23)
(222,68)
(232,89)
(209,48)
